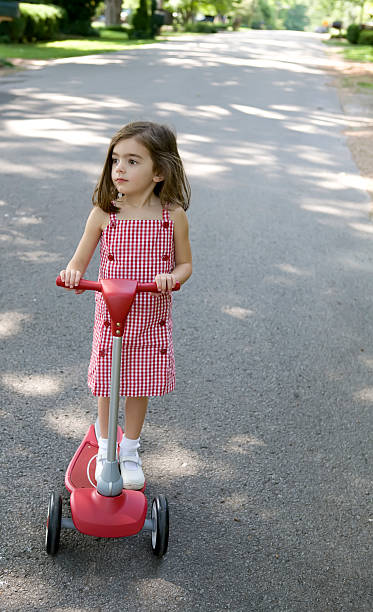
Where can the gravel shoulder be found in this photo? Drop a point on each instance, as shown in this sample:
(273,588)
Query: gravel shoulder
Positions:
(354,82)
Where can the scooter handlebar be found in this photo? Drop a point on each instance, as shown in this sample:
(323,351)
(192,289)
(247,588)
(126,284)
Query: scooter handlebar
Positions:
(96,286)
(83,284)
(143,287)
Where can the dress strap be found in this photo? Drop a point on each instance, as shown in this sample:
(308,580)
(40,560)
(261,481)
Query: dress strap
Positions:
(113,219)
(165,214)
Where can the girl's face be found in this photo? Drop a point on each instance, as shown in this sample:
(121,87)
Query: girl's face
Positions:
(132,168)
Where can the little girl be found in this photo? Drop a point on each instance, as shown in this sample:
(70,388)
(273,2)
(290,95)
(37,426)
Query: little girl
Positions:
(139,217)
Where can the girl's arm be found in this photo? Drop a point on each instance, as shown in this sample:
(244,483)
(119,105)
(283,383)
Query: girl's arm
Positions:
(78,264)
(183,254)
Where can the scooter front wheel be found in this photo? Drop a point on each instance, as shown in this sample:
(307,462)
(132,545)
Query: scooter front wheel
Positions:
(53,528)
(160,518)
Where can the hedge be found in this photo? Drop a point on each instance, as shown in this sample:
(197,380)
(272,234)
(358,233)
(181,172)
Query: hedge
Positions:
(353,32)
(366,37)
(205,27)
(36,22)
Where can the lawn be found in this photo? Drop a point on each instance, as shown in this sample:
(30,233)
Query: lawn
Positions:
(359,53)
(107,42)
(356,53)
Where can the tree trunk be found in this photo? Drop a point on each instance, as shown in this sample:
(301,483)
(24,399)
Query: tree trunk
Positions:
(112,12)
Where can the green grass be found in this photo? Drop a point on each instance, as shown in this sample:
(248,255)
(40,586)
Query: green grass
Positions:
(359,53)
(356,53)
(108,41)
(365,84)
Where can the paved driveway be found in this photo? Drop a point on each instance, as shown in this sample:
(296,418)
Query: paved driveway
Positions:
(264,449)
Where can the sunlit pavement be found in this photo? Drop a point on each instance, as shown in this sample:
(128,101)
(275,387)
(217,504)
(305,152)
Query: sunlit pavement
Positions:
(264,449)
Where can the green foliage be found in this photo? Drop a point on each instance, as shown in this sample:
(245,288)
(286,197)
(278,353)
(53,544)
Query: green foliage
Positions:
(366,37)
(201,27)
(358,53)
(206,27)
(353,32)
(79,10)
(347,11)
(113,28)
(79,16)
(263,15)
(242,13)
(296,17)
(13,30)
(141,22)
(156,20)
(100,9)
(36,22)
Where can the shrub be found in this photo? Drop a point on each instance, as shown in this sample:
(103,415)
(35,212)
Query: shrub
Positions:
(14,29)
(36,22)
(157,20)
(79,16)
(366,37)
(353,32)
(201,27)
(141,22)
(42,21)
(80,27)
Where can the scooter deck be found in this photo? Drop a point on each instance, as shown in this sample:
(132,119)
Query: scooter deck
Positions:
(76,475)
(108,517)
(95,514)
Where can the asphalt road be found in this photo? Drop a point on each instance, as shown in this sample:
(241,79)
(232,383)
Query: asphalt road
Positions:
(265,448)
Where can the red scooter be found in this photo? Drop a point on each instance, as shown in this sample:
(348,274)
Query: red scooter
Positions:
(105,509)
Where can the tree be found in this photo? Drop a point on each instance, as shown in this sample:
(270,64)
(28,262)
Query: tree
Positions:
(79,15)
(361,4)
(112,12)
(187,9)
(242,12)
(263,15)
(296,17)
(348,11)
(141,21)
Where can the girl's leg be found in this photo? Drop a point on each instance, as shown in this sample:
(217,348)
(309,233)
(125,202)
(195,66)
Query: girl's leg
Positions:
(130,463)
(135,411)
(103,415)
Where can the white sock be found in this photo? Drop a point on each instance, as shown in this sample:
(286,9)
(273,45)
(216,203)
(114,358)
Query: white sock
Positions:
(129,447)
(102,444)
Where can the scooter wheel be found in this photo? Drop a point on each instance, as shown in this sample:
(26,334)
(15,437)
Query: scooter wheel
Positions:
(53,529)
(160,529)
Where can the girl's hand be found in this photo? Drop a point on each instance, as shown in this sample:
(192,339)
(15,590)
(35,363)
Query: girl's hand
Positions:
(165,283)
(71,278)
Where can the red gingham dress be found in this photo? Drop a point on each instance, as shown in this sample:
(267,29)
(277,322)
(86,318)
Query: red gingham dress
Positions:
(137,249)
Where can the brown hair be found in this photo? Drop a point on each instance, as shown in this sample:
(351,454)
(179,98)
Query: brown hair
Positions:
(161,144)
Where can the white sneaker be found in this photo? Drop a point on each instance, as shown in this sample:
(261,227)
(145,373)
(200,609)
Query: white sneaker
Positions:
(132,479)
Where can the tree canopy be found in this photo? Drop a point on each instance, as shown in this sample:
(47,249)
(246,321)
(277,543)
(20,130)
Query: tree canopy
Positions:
(270,14)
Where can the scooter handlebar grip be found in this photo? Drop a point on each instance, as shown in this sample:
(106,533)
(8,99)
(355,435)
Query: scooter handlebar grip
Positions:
(83,284)
(143,287)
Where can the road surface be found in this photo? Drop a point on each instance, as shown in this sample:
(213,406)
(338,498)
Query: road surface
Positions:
(264,450)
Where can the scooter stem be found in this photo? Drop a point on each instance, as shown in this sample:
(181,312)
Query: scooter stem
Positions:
(110,482)
(114,399)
